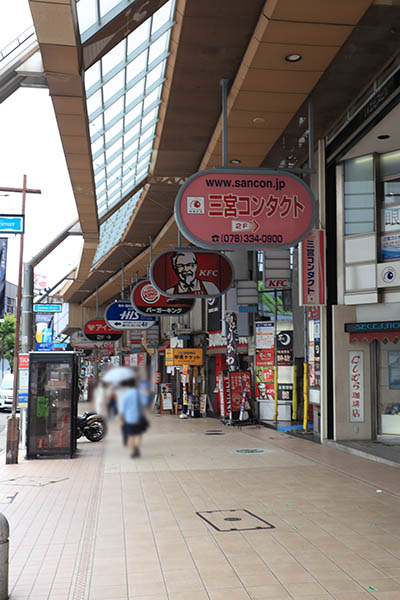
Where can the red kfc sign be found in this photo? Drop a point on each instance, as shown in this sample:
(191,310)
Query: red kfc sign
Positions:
(253,208)
(188,273)
(312,269)
(97,330)
(148,301)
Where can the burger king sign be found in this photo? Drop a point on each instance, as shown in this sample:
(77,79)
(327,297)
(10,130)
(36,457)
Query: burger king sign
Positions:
(148,301)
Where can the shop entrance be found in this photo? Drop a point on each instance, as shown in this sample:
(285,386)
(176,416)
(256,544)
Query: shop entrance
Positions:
(388,372)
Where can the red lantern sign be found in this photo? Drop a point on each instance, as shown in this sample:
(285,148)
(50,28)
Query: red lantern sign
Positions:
(148,301)
(253,208)
(97,330)
(187,273)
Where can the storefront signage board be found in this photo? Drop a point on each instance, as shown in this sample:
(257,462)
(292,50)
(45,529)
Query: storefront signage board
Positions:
(23,379)
(356,386)
(240,384)
(373,326)
(123,315)
(183,356)
(191,273)
(80,342)
(97,330)
(312,269)
(265,358)
(275,283)
(47,308)
(388,274)
(390,246)
(264,334)
(250,208)
(148,301)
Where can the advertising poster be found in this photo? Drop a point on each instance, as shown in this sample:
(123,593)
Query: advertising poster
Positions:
(356,386)
(285,392)
(248,208)
(240,383)
(188,273)
(265,358)
(44,332)
(390,246)
(264,334)
(166,396)
(394,370)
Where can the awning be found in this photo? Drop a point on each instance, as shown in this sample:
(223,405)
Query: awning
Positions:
(371,336)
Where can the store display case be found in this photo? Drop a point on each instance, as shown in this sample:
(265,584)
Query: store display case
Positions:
(52,406)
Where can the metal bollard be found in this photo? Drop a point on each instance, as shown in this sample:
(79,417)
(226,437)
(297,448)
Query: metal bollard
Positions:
(4,549)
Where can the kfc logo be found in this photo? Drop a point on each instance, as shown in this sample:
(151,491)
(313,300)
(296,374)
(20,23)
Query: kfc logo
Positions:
(195,205)
(150,294)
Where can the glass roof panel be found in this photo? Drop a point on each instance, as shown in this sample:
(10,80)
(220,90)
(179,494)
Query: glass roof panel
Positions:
(94,14)
(123,91)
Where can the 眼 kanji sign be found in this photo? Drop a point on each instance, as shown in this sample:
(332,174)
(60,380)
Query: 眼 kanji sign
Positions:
(191,273)
(253,208)
(97,330)
(148,301)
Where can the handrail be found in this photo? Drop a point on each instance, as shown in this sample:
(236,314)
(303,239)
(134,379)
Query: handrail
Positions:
(17,42)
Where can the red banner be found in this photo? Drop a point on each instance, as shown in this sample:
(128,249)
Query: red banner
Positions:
(97,330)
(148,301)
(312,280)
(228,208)
(240,383)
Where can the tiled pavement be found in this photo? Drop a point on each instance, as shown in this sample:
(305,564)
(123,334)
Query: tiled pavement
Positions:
(113,528)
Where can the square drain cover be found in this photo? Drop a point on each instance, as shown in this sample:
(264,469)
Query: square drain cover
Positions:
(237,519)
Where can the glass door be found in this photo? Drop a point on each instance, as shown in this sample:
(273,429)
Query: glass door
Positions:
(388,388)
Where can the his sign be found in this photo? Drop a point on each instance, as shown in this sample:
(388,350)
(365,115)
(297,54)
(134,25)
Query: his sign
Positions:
(123,315)
(312,269)
(188,273)
(253,208)
(148,301)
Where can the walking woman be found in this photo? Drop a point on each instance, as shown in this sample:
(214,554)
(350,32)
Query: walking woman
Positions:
(133,404)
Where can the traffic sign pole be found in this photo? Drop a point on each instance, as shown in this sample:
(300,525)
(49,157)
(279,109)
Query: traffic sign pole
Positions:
(12,424)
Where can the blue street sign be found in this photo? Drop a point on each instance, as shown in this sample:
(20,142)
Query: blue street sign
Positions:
(12,223)
(123,315)
(248,308)
(22,397)
(59,346)
(46,308)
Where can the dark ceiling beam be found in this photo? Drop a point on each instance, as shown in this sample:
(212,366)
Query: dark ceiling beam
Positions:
(118,29)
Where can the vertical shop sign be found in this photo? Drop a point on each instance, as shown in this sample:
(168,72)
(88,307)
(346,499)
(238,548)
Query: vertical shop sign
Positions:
(284,348)
(312,269)
(356,386)
(240,384)
(3,269)
(232,341)
(264,334)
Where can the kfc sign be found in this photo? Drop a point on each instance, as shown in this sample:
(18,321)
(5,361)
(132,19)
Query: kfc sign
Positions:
(252,208)
(277,284)
(188,273)
(148,301)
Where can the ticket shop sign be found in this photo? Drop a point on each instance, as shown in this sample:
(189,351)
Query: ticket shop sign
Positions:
(148,301)
(175,357)
(253,208)
(191,273)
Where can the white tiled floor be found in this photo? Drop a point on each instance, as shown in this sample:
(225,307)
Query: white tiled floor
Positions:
(118,528)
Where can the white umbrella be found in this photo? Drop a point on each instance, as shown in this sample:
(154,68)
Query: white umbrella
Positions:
(117,375)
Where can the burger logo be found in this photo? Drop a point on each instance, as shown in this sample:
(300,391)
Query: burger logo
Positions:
(149,294)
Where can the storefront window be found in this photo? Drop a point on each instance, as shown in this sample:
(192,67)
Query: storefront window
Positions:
(359,211)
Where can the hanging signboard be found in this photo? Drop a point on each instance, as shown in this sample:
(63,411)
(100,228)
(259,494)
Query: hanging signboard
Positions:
(188,273)
(122,315)
(356,386)
(253,208)
(312,269)
(183,356)
(284,348)
(97,330)
(265,358)
(47,308)
(232,341)
(12,223)
(80,342)
(148,301)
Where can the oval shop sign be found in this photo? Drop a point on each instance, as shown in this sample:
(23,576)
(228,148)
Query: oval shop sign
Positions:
(148,301)
(191,272)
(123,315)
(253,208)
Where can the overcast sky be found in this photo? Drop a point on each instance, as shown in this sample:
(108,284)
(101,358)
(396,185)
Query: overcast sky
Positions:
(30,144)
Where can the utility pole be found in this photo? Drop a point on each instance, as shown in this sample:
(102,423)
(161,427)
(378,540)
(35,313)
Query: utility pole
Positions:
(13,421)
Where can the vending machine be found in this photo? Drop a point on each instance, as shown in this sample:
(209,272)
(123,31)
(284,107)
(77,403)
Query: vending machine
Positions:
(52,404)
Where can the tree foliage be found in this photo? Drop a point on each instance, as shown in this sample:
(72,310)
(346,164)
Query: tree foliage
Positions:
(7,339)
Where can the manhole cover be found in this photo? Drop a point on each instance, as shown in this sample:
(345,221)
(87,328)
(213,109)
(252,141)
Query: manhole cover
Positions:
(221,520)
(250,451)
(214,432)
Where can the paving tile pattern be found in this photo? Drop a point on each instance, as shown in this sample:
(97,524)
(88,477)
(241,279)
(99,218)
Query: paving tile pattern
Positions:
(119,529)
